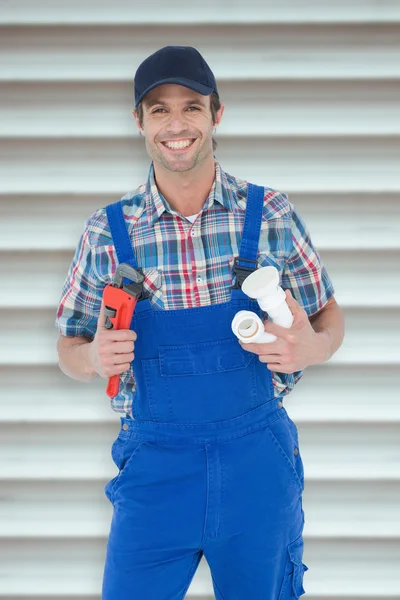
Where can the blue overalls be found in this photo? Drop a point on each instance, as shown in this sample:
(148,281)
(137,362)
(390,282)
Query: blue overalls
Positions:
(210,465)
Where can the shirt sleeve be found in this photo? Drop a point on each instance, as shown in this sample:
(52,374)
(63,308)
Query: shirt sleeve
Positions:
(81,295)
(304,272)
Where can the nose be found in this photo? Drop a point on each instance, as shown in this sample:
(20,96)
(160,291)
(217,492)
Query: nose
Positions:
(176,123)
(176,126)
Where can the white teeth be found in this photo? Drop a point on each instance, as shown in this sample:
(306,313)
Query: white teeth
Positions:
(177,145)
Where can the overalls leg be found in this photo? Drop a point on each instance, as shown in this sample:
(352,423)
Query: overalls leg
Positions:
(159,501)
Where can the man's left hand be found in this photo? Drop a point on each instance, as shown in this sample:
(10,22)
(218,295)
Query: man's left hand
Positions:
(297,347)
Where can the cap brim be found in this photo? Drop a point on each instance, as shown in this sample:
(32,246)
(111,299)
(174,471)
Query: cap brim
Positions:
(205,90)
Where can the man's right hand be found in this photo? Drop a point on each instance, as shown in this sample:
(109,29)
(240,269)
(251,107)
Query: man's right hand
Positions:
(111,350)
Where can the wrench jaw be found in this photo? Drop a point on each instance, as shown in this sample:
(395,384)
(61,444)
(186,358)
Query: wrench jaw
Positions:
(134,289)
(136,276)
(125,270)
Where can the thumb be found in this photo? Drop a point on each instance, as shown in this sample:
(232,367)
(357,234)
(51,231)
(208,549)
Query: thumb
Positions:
(101,323)
(280,332)
(299,313)
(292,303)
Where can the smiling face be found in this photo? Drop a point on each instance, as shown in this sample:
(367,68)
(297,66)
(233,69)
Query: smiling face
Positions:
(177,125)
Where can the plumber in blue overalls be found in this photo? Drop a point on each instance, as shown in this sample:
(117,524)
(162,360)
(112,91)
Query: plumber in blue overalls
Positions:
(209,461)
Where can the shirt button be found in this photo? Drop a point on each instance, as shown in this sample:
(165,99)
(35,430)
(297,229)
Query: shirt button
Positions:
(296,451)
(125,426)
(199,280)
(280,404)
(193,232)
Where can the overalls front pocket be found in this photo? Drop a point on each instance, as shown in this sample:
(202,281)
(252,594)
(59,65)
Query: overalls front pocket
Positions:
(122,451)
(285,437)
(204,381)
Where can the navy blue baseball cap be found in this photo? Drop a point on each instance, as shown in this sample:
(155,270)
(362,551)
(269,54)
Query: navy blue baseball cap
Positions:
(183,65)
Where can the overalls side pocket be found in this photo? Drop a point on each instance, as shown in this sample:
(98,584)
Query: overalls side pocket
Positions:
(292,587)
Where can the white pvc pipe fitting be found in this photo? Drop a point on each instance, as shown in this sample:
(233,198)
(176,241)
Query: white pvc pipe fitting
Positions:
(249,328)
(262,285)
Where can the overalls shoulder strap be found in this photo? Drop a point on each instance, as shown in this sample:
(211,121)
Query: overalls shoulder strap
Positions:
(120,235)
(252,223)
(247,259)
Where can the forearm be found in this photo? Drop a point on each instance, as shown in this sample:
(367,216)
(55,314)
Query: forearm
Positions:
(329,325)
(74,359)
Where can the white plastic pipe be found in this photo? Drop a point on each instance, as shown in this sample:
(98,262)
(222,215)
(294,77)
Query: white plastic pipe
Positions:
(249,328)
(262,285)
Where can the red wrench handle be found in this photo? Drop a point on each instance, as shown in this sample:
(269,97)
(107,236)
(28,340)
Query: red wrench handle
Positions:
(119,308)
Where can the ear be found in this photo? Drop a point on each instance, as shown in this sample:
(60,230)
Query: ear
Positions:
(219,114)
(134,113)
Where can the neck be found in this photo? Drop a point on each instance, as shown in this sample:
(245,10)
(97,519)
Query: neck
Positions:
(186,191)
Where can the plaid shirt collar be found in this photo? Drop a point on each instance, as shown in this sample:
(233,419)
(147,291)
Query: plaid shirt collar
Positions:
(222,191)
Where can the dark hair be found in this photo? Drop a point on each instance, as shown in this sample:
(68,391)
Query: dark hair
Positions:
(215,105)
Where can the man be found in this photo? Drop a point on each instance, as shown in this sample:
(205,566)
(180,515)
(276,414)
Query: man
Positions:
(209,461)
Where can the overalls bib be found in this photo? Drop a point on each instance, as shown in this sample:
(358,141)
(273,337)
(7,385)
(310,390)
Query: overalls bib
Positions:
(210,464)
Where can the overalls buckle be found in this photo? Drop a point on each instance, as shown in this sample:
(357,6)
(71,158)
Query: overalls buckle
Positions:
(242,272)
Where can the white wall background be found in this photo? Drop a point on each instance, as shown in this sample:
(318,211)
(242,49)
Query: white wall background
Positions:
(312,96)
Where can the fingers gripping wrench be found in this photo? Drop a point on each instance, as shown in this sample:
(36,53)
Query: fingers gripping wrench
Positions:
(119,305)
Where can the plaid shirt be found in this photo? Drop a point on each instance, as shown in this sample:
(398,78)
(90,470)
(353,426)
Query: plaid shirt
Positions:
(190,264)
